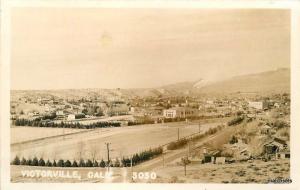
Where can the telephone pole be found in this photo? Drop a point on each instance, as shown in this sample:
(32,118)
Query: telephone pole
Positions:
(178,134)
(199,127)
(108,160)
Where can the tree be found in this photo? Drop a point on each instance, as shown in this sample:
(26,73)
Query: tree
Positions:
(81,163)
(74,164)
(233,140)
(29,162)
(89,163)
(35,161)
(102,163)
(117,163)
(23,161)
(54,164)
(61,163)
(16,161)
(67,164)
(41,162)
(48,163)
(185,161)
(95,164)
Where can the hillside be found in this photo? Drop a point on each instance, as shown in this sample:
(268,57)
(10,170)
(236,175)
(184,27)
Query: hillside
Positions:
(266,82)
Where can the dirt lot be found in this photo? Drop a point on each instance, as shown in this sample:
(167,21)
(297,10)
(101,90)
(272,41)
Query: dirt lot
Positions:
(124,141)
(256,172)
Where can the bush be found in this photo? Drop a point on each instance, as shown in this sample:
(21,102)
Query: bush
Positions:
(117,163)
(41,162)
(81,163)
(236,121)
(102,163)
(67,164)
(48,163)
(233,140)
(16,161)
(89,163)
(74,164)
(60,163)
(23,161)
(29,162)
(177,144)
(35,162)
(95,164)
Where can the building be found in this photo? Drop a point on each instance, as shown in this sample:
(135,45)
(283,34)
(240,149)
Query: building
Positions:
(180,112)
(265,129)
(60,114)
(260,105)
(71,117)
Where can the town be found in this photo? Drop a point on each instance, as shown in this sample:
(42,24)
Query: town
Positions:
(261,123)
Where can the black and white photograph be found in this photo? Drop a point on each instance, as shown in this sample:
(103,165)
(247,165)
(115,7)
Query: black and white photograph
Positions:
(150,95)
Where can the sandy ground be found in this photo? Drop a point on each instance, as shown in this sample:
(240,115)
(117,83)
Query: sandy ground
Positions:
(256,172)
(124,141)
(21,133)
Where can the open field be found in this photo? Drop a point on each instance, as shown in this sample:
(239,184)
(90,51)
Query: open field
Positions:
(22,133)
(124,141)
(256,172)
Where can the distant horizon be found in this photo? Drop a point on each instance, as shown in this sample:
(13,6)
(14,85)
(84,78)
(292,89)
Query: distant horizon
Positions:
(108,48)
(288,68)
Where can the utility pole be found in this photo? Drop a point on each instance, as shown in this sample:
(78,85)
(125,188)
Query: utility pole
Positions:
(199,127)
(189,148)
(178,134)
(108,160)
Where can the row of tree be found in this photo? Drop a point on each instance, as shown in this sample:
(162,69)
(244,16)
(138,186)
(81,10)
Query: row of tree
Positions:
(125,162)
(236,121)
(77,125)
(184,141)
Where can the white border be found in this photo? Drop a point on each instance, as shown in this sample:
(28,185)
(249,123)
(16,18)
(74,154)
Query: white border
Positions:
(5,83)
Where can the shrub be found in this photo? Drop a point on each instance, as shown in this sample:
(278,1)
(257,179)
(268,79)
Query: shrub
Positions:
(81,163)
(16,161)
(41,162)
(236,121)
(74,164)
(23,161)
(89,163)
(48,163)
(35,161)
(117,163)
(102,163)
(67,163)
(29,162)
(60,163)
(177,144)
(95,164)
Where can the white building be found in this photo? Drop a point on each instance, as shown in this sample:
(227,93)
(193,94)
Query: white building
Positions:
(179,112)
(71,117)
(261,105)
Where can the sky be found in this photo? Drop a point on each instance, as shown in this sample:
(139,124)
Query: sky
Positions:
(59,48)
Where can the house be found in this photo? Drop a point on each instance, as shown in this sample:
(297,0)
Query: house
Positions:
(60,114)
(260,105)
(275,147)
(71,117)
(220,160)
(180,112)
(283,154)
(265,129)
(210,157)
